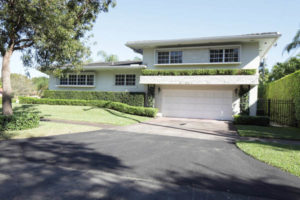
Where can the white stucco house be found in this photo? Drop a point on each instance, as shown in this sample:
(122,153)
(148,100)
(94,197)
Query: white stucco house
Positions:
(197,96)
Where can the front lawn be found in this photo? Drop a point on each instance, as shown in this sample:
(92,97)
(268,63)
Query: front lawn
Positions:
(81,113)
(47,129)
(290,133)
(286,157)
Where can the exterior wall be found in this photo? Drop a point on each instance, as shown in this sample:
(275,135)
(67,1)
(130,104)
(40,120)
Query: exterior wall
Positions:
(104,81)
(235,98)
(249,58)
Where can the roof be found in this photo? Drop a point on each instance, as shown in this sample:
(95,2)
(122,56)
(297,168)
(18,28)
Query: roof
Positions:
(267,37)
(114,65)
(118,63)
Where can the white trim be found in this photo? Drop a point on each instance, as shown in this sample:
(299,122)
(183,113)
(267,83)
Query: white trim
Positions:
(132,86)
(73,86)
(201,80)
(196,64)
(77,74)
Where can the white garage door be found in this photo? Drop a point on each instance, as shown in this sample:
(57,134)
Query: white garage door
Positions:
(209,104)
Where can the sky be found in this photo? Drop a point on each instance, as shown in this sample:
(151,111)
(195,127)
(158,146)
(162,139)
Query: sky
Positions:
(134,20)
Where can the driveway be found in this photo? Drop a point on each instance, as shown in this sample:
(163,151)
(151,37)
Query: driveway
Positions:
(128,164)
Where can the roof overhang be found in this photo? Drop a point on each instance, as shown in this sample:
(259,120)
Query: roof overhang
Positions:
(265,40)
(115,67)
(201,80)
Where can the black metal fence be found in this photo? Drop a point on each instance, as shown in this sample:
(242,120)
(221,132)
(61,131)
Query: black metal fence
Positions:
(280,111)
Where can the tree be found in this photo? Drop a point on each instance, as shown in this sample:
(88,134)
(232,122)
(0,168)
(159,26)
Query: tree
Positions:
(295,43)
(282,69)
(50,34)
(41,84)
(22,85)
(108,57)
(137,58)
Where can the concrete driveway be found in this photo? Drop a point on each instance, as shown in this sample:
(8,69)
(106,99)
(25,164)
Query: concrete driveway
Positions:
(129,164)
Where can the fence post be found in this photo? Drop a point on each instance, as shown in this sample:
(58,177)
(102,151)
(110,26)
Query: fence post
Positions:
(269,107)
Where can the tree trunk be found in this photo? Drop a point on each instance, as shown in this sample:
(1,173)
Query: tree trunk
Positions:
(7,91)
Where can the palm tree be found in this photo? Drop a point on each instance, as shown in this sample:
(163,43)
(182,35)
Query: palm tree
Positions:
(294,44)
(108,57)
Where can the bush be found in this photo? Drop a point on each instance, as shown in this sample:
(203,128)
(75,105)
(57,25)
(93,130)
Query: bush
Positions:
(251,120)
(195,72)
(288,88)
(19,121)
(134,110)
(133,99)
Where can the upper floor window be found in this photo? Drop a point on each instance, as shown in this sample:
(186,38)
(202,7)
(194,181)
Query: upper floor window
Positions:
(122,79)
(74,79)
(224,55)
(167,57)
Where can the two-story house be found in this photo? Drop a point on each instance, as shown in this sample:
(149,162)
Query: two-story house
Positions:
(212,96)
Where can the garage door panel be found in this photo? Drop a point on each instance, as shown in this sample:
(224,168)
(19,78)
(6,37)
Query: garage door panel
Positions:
(211,104)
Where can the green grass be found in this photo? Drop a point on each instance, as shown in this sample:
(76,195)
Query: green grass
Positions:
(290,133)
(286,157)
(81,113)
(46,129)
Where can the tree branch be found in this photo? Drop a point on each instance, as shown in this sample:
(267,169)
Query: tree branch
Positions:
(23,40)
(24,46)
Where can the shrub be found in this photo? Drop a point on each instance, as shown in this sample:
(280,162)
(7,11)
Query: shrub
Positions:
(133,99)
(134,110)
(251,120)
(195,72)
(19,121)
(287,87)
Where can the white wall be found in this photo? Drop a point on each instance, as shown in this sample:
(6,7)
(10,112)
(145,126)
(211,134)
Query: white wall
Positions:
(105,81)
(249,58)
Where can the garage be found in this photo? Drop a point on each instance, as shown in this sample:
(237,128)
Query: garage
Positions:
(197,103)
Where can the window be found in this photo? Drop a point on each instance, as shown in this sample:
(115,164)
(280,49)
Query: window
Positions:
(72,79)
(231,55)
(130,79)
(224,55)
(90,80)
(81,80)
(167,57)
(163,57)
(176,56)
(122,79)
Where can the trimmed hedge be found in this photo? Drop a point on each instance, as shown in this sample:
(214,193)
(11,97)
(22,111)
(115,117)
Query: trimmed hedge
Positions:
(287,87)
(133,99)
(19,121)
(195,72)
(251,120)
(134,110)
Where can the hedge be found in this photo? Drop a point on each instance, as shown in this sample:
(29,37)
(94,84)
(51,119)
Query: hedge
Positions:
(134,110)
(19,121)
(251,120)
(287,87)
(133,99)
(194,72)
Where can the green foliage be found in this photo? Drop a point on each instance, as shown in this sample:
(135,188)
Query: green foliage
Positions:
(108,57)
(19,121)
(282,69)
(134,110)
(49,34)
(41,84)
(194,72)
(251,120)
(133,99)
(295,43)
(21,85)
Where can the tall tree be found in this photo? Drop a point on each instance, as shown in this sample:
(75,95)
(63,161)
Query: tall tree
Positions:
(108,57)
(50,34)
(295,43)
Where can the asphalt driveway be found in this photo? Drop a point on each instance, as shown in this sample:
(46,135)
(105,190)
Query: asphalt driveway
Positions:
(128,164)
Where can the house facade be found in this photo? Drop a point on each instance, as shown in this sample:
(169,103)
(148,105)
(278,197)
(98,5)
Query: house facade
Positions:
(189,96)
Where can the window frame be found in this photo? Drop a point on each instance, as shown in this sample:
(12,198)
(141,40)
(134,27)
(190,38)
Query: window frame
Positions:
(169,56)
(67,81)
(125,79)
(224,52)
